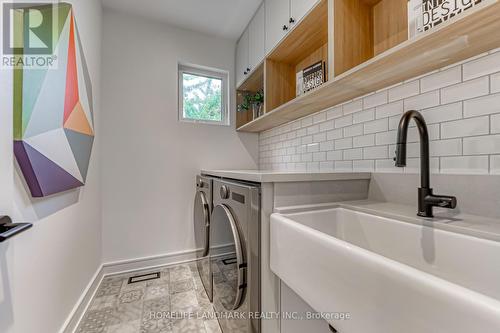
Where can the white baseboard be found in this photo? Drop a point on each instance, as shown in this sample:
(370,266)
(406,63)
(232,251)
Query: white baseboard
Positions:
(130,265)
(83,303)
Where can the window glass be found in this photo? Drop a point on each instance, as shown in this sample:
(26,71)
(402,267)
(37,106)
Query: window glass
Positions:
(203,95)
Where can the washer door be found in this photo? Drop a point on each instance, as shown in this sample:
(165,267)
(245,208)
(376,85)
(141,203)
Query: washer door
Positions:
(227,257)
(201,224)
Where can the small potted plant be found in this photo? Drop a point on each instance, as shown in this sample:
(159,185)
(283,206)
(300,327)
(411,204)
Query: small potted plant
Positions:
(258,104)
(247,102)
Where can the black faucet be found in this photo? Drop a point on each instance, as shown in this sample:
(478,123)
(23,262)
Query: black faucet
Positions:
(426,199)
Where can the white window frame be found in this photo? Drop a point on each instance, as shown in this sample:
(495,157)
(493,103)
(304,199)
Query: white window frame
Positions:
(211,73)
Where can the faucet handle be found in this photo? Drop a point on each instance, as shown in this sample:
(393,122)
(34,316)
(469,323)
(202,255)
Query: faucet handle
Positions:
(443,201)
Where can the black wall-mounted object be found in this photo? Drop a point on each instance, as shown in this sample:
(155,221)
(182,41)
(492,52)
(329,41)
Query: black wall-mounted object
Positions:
(9,229)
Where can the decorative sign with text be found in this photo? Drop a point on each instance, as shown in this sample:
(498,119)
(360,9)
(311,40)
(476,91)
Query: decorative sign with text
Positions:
(423,15)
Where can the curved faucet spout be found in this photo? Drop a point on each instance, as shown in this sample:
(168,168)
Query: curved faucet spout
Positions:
(426,199)
(424,144)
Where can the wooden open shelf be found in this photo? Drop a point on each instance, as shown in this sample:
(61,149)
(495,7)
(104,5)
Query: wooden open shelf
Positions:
(253,84)
(458,39)
(366,28)
(303,46)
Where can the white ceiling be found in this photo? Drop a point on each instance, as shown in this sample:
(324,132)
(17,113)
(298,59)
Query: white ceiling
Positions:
(222,18)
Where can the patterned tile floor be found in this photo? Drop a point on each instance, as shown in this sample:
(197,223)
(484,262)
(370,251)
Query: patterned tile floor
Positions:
(175,303)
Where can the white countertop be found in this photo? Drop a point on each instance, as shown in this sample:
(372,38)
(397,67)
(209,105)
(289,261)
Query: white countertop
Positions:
(263,176)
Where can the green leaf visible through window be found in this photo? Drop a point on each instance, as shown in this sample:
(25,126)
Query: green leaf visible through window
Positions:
(202,97)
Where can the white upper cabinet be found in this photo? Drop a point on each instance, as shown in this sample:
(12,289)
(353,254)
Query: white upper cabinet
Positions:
(257,36)
(299,8)
(242,58)
(277,21)
(272,21)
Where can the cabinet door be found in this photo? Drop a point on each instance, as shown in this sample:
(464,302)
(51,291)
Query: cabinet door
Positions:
(277,16)
(242,58)
(299,8)
(257,36)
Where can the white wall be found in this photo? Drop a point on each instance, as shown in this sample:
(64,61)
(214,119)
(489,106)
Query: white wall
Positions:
(150,160)
(461,104)
(45,270)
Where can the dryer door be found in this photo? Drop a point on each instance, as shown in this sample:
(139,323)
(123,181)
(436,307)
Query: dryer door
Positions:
(201,224)
(227,257)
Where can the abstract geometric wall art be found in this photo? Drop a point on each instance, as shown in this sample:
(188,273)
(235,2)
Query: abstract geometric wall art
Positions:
(53,113)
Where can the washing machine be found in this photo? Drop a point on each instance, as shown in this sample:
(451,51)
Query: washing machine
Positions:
(235,255)
(202,214)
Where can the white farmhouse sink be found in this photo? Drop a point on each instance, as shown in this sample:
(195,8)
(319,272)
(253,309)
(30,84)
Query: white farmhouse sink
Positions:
(391,276)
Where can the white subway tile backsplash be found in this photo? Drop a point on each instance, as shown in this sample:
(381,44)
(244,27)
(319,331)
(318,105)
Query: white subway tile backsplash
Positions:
(495,164)
(353,106)
(307,157)
(353,154)
(319,156)
(363,166)
(394,122)
(466,90)
(334,113)
(463,118)
(319,117)
(312,129)
(386,138)
(343,122)
(326,166)
(482,66)
(482,145)
(306,140)
(413,165)
(363,116)
(389,110)
(424,101)
(334,134)
(443,113)
(343,166)
(312,166)
(353,130)
(481,106)
(326,146)
(373,153)
(449,147)
(495,83)
(313,147)
(343,143)
(364,141)
(434,133)
(319,137)
(376,126)
(301,132)
(334,155)
(465,127)
(465,164)
(387,166)
(495,124)
(441,79)
(327,125)
(376,99)
(301,166)
(404,90)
